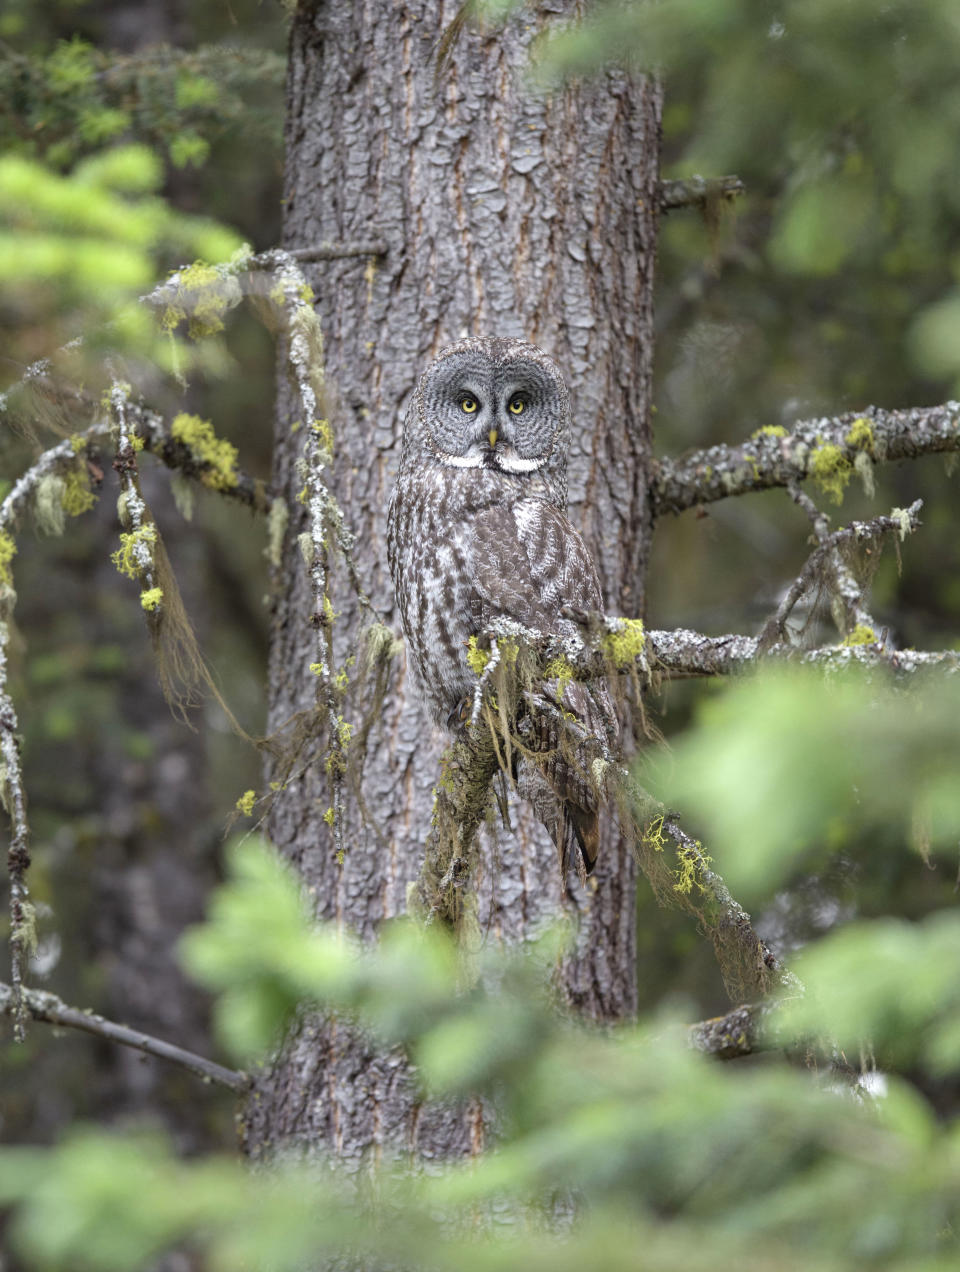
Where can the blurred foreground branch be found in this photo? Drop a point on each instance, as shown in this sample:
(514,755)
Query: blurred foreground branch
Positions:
(51,1010)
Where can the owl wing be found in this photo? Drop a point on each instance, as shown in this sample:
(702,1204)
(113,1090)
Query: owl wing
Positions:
(529,564)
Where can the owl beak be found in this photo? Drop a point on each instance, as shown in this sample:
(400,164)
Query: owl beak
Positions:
(493,438)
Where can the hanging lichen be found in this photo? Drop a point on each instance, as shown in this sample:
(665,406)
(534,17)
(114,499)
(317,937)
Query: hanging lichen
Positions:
(216,456)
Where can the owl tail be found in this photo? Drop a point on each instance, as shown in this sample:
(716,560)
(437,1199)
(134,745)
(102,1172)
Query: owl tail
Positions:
(586,831)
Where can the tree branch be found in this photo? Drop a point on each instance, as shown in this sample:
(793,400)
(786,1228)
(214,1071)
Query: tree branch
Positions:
(828,558)
(51,1010)
(699,192)
(826,450)
(738,1033)
(691,653)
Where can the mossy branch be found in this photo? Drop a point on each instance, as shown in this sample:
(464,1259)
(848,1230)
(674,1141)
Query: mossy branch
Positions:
(829,451)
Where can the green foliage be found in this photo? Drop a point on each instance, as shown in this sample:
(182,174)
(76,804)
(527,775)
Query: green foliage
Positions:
(62,102)
(890,982)
(607,1144)
(786,769)
(75,250)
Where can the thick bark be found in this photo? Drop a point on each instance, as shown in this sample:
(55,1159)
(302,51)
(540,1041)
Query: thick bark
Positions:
(504,213)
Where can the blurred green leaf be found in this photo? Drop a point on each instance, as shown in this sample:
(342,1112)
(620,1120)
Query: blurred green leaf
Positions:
(788,767)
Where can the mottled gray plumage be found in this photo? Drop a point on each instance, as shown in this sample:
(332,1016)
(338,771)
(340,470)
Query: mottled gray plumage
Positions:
(477,530)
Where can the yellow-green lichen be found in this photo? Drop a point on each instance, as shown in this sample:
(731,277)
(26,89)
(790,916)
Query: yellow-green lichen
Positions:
(77,442)
(318,669)
(624,646)
(560,670)
(653,835)
(860,435)
(218,456)
(324,435)
(770,430)
(77,497)
(246,802)
(329,816)
(137,442)
(206,307)
(831,470)
(8,550)
(861,635)
(125,557)
(151,598)
(690,864)
(477,658)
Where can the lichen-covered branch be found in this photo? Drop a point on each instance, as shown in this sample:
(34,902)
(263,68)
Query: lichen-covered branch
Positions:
(620,646)
(48,1008)
(738,1033)
(18,852)
(305,358)
(827,451)
(688,653)
(747,964)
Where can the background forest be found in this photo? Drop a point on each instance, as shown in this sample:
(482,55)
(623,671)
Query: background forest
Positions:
(139,137)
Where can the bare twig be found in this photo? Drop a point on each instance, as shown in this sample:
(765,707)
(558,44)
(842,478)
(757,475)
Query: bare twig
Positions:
(50,1009)
(828,558)
(774,457)
(698,192)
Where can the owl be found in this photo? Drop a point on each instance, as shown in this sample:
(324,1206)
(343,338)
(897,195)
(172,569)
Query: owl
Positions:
(477,530)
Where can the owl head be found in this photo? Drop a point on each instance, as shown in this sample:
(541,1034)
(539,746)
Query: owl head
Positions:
(495,404)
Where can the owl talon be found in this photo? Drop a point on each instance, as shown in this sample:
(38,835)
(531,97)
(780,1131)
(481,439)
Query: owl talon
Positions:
(582,617)
(459,717)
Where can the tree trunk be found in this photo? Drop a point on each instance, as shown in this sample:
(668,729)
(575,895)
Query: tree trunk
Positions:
(505,213)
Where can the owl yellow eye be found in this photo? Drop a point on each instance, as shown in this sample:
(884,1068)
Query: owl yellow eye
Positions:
(516,405)
(468,404)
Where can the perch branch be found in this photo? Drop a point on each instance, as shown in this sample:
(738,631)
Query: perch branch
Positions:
(689,653)
(699,192)
(51,1010)
(768,459)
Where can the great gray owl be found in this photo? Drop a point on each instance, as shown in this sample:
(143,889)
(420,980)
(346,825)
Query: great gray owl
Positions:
(477,530)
